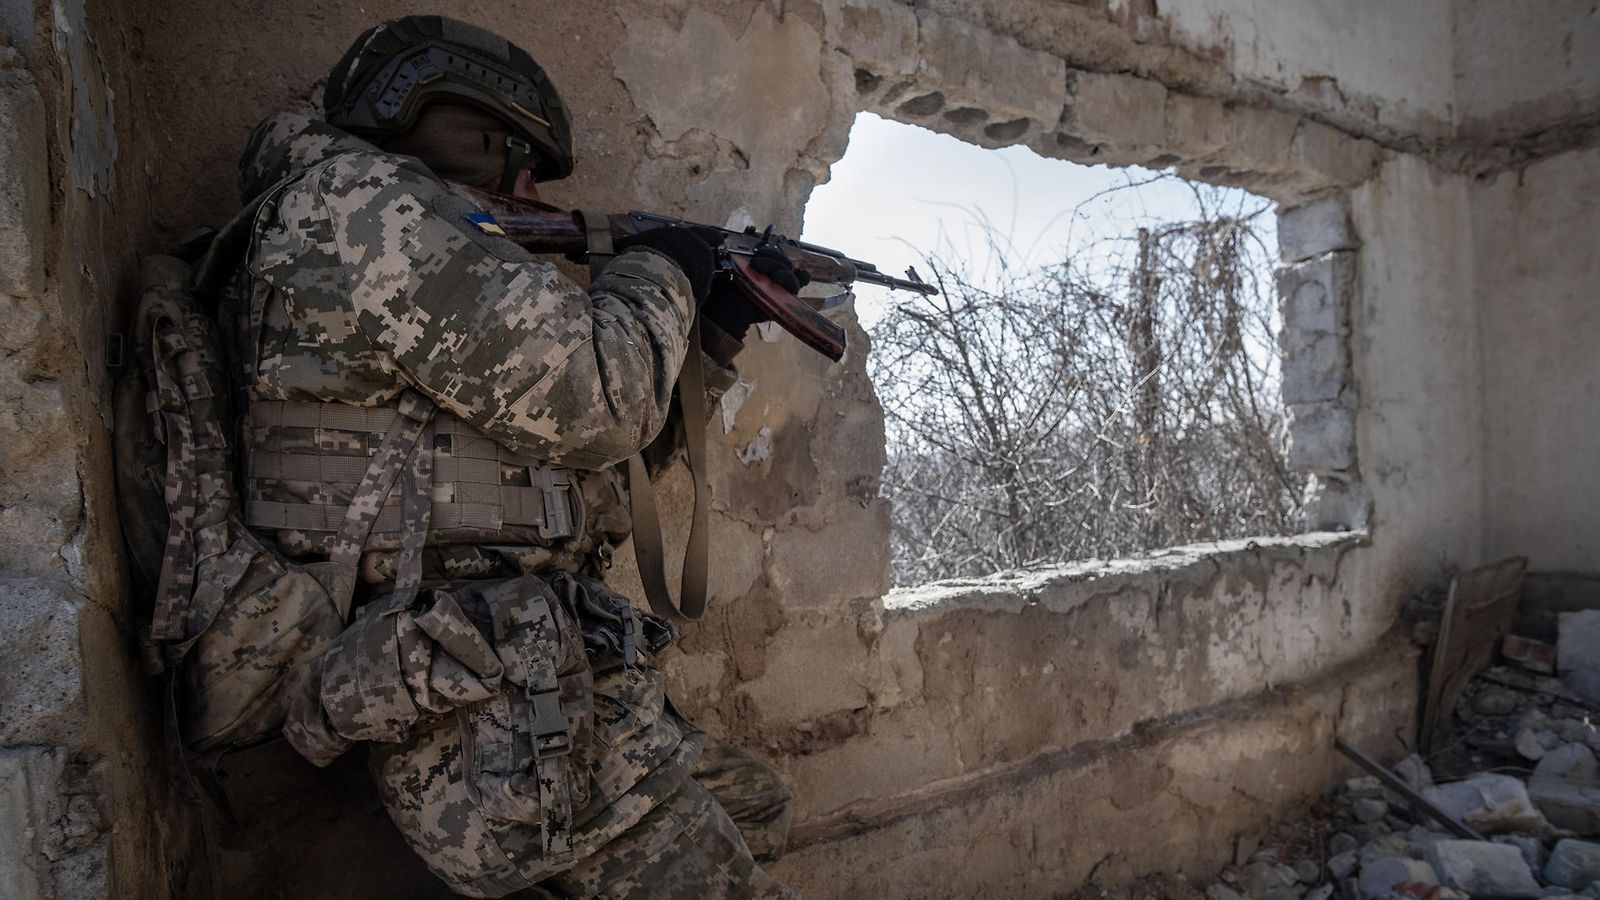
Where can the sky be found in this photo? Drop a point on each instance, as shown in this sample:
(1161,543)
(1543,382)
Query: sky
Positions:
(902,191)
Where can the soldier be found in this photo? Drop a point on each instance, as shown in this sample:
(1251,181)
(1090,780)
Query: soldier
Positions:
(440,413)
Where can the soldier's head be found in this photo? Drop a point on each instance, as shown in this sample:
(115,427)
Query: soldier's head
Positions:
(471,105)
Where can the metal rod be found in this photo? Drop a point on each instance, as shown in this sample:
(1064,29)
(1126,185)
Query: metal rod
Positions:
(1398,785)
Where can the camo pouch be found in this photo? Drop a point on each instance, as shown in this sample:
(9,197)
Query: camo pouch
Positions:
(506,791)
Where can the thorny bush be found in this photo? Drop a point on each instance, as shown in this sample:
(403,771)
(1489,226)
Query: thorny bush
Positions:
(1123,399)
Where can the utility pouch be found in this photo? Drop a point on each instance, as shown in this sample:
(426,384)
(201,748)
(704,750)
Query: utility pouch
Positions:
(522,781)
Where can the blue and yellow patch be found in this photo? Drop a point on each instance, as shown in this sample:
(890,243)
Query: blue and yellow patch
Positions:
(486,223)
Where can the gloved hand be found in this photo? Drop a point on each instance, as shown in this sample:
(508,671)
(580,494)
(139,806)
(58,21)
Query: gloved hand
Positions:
(733,313)
(684,247)
(771,262)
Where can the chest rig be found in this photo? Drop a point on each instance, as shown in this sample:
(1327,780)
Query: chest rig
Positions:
(307,462)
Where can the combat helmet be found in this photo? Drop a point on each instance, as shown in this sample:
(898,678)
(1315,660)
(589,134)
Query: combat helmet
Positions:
(396,68)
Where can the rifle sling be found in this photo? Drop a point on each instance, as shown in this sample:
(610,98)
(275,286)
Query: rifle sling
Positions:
(648,545)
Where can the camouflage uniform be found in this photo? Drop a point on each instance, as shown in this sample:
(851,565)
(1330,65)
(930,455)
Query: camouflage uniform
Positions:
(372,305)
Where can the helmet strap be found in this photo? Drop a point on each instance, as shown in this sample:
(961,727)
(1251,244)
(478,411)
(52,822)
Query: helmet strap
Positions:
(518,152)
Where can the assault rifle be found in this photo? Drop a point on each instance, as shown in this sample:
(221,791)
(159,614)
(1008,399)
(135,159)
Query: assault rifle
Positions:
(541,228)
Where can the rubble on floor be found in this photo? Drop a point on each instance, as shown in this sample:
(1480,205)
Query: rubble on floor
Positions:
(1516,765)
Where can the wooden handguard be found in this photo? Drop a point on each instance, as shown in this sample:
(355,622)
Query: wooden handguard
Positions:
(790,312)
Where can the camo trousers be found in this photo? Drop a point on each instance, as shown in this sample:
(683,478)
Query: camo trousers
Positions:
(553,759)
(689,847)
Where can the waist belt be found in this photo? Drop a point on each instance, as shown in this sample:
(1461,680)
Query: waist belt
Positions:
(321,450)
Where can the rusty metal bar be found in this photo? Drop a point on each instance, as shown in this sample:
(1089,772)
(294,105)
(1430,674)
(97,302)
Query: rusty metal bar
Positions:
(1395,783)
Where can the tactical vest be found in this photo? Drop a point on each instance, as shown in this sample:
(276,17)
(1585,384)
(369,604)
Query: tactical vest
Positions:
(492,512)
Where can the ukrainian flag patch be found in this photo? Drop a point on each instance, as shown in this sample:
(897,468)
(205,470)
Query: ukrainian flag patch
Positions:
(486,223)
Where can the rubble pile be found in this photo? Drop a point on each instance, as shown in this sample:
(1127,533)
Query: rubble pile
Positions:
(1515,769)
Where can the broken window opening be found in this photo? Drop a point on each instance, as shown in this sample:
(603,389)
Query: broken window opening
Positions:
(1100,375)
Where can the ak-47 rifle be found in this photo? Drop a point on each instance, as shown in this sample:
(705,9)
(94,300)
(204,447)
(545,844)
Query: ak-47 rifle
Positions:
(545,229)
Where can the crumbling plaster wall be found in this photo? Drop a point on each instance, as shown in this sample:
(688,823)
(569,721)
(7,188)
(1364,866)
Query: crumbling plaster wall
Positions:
(1004,736)
(85,810)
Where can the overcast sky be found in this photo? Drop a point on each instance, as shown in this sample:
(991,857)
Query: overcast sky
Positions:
(901,191)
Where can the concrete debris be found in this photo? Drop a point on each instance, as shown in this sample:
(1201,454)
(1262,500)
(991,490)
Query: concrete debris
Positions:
(1566,788)
(1495,701)
(1529,744)
(1483,867)
(1366,841)
(1573,864)
(1415,772)
(1490,803)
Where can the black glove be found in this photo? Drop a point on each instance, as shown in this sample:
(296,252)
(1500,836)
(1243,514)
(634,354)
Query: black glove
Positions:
(691,253)
(732,312)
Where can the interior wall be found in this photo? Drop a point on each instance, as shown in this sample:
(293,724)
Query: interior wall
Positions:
(1415,348)
(1517,75)
(1536,237)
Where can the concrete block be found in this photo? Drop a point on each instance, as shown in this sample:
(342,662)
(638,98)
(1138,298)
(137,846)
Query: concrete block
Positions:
(1315,296)
(1315,228)
(1573,864)
(1261,139)
(992,71)
(30,782)
(1578,641)
(1564,787)
(1125,114)
(1489,803)
(1331,155)
(1482,867)
(1336,504)
(1314,299)
(879,38)
(1322,436)
(1196,126)
(24,184)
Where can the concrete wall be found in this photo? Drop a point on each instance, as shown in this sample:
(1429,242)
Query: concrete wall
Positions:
(1536,234)
(85,807)
(1529,97)
(999,737)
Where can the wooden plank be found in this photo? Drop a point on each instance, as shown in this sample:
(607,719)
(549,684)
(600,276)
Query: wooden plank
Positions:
(1478,612)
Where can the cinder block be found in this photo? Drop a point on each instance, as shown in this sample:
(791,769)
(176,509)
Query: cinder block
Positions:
(1126,114)
(1314,300)
(1321,226)
(880,38)
(1322,436)
(1336,504)
(991,71)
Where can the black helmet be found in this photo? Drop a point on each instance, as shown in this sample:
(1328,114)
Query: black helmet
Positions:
(395,69)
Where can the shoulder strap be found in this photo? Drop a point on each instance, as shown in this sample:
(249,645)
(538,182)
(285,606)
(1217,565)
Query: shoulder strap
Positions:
(647,540)
(648,545)
(404,449)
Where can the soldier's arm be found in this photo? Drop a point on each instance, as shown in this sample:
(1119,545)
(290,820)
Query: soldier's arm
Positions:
(497,337)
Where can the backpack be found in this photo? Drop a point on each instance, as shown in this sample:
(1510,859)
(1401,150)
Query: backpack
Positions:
(224,615)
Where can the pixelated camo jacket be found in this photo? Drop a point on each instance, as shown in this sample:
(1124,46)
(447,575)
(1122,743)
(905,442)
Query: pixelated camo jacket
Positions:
(370,278)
